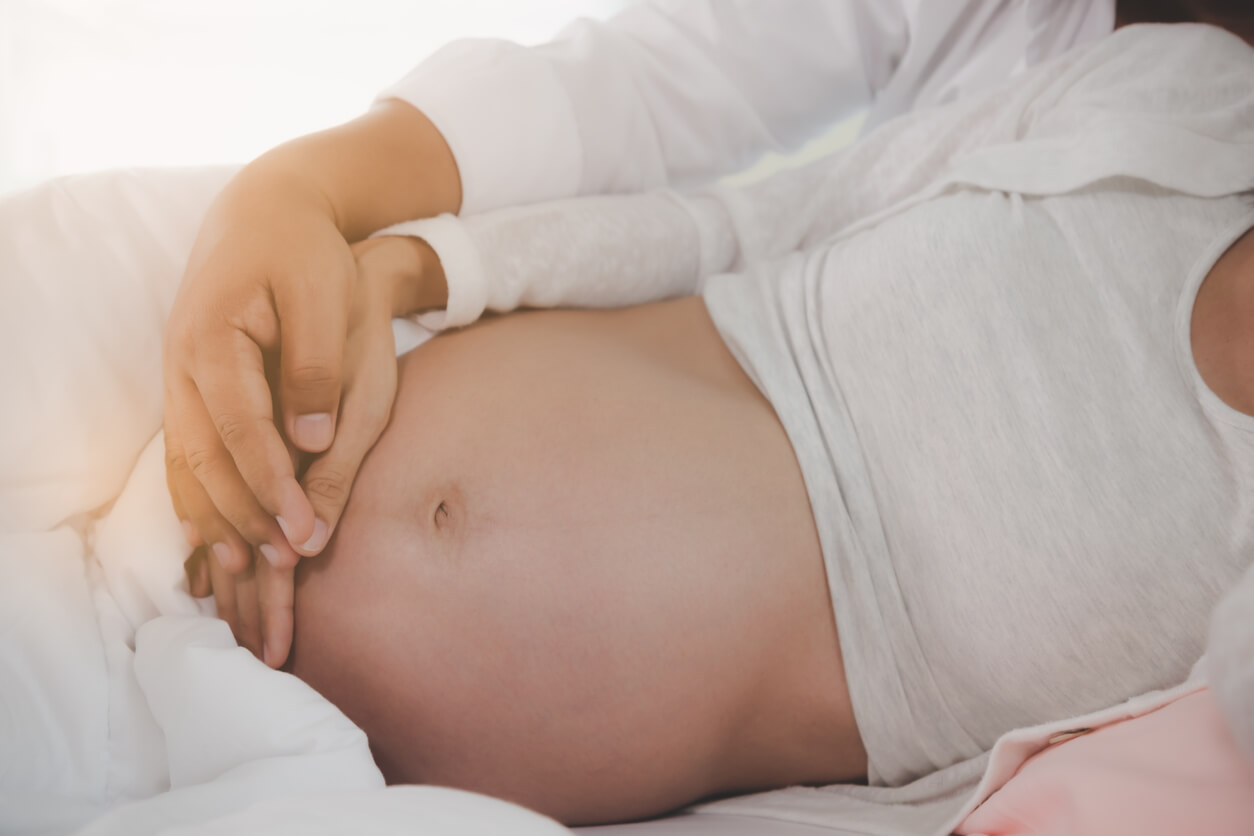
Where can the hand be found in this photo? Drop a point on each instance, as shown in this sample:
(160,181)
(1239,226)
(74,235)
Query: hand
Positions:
(393,276)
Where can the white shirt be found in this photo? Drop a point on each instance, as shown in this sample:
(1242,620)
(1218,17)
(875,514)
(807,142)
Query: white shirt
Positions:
(683,91)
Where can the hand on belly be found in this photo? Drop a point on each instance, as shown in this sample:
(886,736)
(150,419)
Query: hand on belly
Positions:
(579,571)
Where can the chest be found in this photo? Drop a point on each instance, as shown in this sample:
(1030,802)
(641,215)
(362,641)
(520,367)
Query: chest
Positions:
(1017,382)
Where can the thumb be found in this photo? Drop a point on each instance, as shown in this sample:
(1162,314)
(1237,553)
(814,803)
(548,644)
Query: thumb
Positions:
(363,415)
(313,328)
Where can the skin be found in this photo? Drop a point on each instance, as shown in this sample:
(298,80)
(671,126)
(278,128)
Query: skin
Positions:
(265,426)
(553,585)
(1222,326)
(244,397)
(579,571)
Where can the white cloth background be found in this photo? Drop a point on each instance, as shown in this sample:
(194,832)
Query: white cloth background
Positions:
(94,84)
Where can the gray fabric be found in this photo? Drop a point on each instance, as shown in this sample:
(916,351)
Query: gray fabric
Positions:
(1027,512)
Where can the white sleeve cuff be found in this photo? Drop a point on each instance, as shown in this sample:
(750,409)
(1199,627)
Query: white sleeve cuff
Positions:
(506,117)
(463,269)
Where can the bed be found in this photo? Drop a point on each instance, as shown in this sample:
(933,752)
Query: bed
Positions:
(128,709)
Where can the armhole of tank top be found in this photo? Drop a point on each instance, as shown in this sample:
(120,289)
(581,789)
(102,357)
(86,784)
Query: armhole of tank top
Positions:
(1211,403)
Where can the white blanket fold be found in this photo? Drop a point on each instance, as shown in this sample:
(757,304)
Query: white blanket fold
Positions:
(126,708)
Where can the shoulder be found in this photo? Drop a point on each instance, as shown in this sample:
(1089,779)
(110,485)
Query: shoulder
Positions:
(1168,55)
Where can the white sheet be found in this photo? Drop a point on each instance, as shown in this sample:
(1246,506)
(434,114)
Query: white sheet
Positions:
(126,708)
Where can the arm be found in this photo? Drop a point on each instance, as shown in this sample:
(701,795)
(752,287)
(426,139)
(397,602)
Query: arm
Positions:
(265,304)
(750,76)
(1128,94)
(389,164)
(666,92)
(273,248)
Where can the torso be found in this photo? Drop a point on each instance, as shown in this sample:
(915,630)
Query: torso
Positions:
(1021,480)
(603,512)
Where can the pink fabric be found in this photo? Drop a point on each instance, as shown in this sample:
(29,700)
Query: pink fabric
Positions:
(1175,770)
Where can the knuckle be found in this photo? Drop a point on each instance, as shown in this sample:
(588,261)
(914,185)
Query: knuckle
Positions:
(235,429)
(311,377)
(238,524)
(329,486)
(375,414)
(253,529)
(201,462)
(175,462)
(178,340)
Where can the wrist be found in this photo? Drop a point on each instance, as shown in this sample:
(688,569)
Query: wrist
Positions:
(433,286)
(389,165)
(266,195)
(280,184)
(408,271)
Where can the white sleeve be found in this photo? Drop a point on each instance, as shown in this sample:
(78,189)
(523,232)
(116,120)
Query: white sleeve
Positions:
(1130,91)
(590,252)
(664,93)
(617,250)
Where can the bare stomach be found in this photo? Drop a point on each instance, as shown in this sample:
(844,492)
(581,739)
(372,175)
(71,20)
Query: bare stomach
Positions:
(579,571)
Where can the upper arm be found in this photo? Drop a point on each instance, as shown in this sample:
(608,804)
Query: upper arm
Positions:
(666,92)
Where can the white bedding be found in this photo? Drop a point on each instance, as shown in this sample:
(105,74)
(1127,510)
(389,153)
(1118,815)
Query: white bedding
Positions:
(125,707)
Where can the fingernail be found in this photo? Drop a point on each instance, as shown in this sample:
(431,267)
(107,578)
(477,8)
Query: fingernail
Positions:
(265,655)
(293,509)
(191,533)
(313,431)
(223,553)
(270,553)
(319,537)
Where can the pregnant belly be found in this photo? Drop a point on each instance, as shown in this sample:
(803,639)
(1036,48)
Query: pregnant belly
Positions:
(579,570)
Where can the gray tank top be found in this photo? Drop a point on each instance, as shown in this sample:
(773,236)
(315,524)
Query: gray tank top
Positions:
(1029,500)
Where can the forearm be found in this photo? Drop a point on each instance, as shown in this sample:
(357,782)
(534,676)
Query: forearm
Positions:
(595,252)
(388,165)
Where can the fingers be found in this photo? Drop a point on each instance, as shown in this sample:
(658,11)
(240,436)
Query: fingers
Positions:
(313,335)
(235,451)
(197,569)
(408,270)
(247,626)
(219,540)
(257,604)
(225,512)
(223,583)
(175,473)
(236,599)
(363,416)
(276,591)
